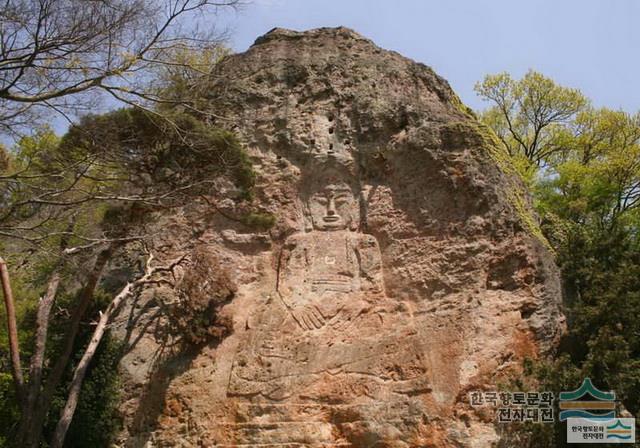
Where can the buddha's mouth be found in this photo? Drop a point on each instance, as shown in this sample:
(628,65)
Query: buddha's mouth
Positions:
(331,218)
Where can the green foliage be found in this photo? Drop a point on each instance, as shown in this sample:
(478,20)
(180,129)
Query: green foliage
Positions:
(98,183)
(583,168)
(126,153)
(5,159)
(258,220)
(25,303)
(528,113)
(97,420)
(173,152)
(26,298)
(185,80)
(125,156)
(36,148)
(9,411)
(513,167)
(596,179)
(602,273)
(555,375)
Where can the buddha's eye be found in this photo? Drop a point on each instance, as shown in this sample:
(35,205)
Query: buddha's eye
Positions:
(341,198)
(321,200)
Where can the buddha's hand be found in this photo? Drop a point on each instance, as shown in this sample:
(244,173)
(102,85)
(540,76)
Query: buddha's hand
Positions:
(349,313)
(308,316)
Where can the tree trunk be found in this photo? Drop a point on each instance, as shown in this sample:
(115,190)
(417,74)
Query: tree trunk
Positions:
(81,369)
(33,432)
(12,327)
(78,376)
(33,387)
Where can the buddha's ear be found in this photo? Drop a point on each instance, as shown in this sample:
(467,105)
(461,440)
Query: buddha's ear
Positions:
(307,219)
(364,196)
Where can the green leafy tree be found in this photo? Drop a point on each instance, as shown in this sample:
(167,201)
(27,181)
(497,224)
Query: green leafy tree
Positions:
(528,114)
(596,177)
(586,187)
(71,205)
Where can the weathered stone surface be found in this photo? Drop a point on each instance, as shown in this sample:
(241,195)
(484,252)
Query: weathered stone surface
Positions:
(404,268)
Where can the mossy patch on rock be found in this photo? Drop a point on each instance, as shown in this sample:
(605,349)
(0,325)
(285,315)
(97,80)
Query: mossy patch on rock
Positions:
(515,192)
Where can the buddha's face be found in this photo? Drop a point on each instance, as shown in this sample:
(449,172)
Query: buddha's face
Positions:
(333,207)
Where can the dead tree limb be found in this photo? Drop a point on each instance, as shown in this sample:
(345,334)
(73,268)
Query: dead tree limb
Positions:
(81,370)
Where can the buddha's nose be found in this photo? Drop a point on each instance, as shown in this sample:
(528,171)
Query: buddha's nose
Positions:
(331,208)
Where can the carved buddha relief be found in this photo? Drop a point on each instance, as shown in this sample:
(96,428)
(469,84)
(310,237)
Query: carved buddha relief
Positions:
(324,274)
(329,302)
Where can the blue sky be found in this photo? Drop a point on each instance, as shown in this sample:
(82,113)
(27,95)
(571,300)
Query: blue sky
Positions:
(593,45)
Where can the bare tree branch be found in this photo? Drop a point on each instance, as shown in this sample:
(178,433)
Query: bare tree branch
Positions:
(61,49)
(81,370)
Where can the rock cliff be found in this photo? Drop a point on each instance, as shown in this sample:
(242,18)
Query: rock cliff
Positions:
(404,268)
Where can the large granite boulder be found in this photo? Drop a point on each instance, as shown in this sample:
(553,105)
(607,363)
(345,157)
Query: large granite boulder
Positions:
(404,268)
